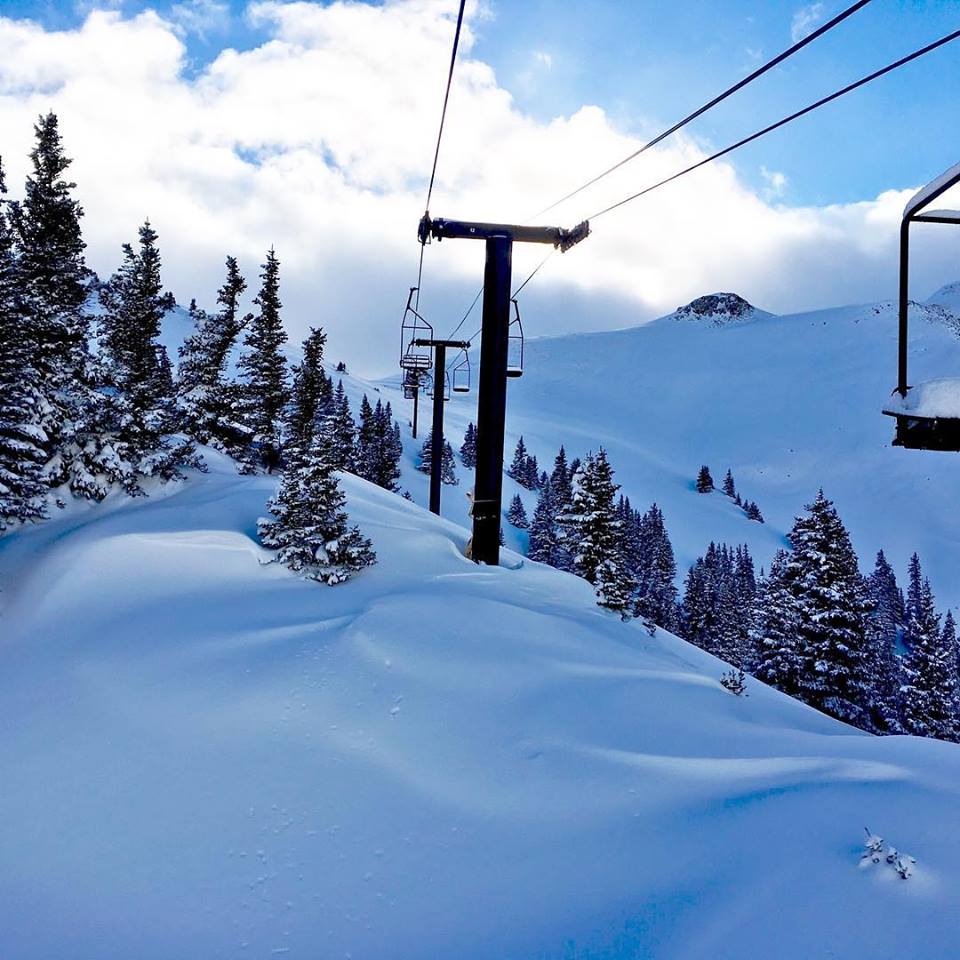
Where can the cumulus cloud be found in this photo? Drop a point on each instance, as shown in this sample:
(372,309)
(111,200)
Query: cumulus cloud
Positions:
(319,140)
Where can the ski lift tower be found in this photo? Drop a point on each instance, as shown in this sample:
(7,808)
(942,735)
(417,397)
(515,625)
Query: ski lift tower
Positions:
(441,394)
(494,350)
(927,414)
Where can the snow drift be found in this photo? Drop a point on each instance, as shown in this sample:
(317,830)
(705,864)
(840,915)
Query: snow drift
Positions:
(208,757)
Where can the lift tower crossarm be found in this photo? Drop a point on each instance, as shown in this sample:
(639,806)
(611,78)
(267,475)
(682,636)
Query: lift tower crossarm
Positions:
(440,229)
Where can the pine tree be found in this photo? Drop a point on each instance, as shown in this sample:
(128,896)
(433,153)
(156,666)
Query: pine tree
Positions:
(729,487)
(22,456)
(378,445)
(779,660)
(832,611)
(544,541)
(884,626)
(468,449)
(561,481)
(209,403)
(52,279)
(704,480)
(929,693)
(264,367)
(517,515)
(752,511)
(309,529)
(311,395)
(448,466)
(592,521)
(913,608)
(137,369)
(518,466)
(531,473)
(656,594)
(342,432)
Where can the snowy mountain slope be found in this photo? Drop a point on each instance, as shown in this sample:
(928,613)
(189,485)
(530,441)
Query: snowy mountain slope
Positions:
(789,403)
(207,757)
(947,296)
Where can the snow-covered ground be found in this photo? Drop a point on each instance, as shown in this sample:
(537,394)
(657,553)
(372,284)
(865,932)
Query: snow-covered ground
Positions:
(208,757)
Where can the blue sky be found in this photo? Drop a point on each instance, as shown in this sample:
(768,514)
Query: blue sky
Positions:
(647,63)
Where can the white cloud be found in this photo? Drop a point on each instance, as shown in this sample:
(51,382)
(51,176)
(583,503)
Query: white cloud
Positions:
(776,183)
(805,21)
(319,141)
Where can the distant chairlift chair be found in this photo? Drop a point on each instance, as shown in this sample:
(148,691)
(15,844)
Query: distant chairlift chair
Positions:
(414,328)
(515,344)
(461,373)
(928,413)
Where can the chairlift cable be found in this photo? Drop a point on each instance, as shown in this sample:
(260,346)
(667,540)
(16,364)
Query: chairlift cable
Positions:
(793,116)
(446,97)
(513,296)
(769,65)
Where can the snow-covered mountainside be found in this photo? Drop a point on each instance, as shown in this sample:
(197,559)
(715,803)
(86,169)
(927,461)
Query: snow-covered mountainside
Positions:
(208,757)
(789,403)
(949,297)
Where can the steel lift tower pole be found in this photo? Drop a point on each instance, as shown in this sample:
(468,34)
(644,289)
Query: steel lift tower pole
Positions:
(439,396)
(494,341)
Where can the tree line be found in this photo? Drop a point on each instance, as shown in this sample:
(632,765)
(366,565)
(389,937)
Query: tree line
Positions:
(90,400)
(813,626)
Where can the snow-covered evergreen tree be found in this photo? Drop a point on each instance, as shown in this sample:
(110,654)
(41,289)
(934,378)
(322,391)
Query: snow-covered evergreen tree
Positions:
(592,526)
(544,544)
(517,515)
(136,368)
(210,404)
(704,480)
(448,466)
(264,368)
(531,473)
(52,281)
(779,661)
(311,396)
(832,609)
(378,445)
(22,455)
(468,449)
(655,570)
(752,511)
(929,695)
(729,487)
(884,625)
(342,431)
(310,529)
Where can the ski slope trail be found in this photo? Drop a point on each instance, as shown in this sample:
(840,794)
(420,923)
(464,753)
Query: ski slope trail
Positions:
(205,756)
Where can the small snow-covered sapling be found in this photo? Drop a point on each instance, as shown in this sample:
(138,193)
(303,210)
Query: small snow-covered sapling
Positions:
(735,681)
(874,852)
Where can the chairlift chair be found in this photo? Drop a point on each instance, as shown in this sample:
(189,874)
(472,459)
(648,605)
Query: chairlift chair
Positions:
(411,383)
(412,329)
(461,374)
(445,387)
(515,344)
(928,413)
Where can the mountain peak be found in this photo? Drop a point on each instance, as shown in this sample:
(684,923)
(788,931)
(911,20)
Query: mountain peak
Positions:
(719,309)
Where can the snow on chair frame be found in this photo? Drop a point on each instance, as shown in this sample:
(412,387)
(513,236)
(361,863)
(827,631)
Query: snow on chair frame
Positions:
(927,414)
